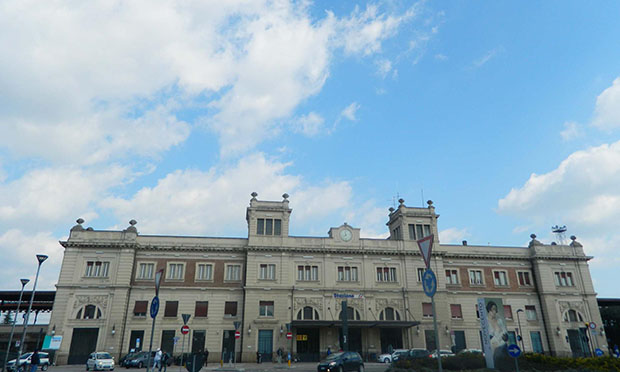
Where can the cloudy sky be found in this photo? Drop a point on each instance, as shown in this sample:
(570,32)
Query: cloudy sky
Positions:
(505,114)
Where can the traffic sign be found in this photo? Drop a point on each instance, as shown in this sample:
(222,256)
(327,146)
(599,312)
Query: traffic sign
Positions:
(429,283)
(185,318)
(592,325)
(154,307)
(175,339)
(289,335)
(514,351)
(237,334)
(598,352)
(426,246)
(185,329)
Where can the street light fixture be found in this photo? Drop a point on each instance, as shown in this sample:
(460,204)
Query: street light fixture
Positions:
(520,332)
(40,258)
(8,347)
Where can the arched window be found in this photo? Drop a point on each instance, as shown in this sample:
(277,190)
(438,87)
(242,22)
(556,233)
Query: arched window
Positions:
(352,314)
(572,316)
(308,313)
(389,314)
(89,312)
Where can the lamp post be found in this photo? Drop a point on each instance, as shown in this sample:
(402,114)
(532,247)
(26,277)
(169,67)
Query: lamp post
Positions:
(8,346)
(520,332)
(41,258)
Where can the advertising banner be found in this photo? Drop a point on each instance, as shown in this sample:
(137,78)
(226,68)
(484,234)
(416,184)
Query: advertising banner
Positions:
(494,332)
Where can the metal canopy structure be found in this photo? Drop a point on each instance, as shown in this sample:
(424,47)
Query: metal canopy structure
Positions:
(356,323)
(43,300)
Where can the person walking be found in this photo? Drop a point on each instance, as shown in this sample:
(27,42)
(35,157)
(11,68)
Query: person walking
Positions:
(157,359)
(163,362)
(35,360)
(206,356)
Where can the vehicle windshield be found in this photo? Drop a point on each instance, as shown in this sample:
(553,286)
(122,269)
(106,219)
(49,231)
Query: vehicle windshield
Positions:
(25,356)
(334,356)
(104,356)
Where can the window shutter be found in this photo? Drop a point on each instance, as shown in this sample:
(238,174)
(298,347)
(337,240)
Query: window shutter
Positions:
(171,308)
(140,307)
(455,310)
(202,308)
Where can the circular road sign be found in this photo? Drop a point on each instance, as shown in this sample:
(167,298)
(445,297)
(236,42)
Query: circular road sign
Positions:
(598,352)
(185,329)
(514,351)
(592,325)
(429,283)
(237,334)
(289,335)
(154,307)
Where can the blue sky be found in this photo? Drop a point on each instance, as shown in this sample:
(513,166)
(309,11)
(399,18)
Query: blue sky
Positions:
(505,114)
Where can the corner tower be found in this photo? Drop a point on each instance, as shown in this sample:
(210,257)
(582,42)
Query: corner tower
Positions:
(268,219)
(411,223)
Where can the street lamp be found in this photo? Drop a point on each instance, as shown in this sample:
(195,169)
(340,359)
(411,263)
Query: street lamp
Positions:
(8,347)
(520,332)
(41,258)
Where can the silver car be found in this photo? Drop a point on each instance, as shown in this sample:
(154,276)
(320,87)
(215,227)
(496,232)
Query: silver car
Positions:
(100,361)
(44,362)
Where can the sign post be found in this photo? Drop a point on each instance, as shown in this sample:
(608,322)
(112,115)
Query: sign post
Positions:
(184,331)
(154,311)
(429,283)
(515,352)
(345,326)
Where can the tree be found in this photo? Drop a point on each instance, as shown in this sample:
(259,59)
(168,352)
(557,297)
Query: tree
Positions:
(8,318)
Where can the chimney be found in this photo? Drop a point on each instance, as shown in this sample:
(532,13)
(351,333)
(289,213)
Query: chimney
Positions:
(464,242)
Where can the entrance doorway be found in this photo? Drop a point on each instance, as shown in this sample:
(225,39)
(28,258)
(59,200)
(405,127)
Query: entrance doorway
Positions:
(355,339)
(459,341)
(167,341)
(265,344)
(579,342)
(136,339)
(83,342)
(198,341)
(308,345)
(391,339)
(228,346)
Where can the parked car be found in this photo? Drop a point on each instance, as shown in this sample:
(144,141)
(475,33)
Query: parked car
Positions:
(387,358)
(470,352)
(25,361)
(444,353)
(415,353)
(126,357)
(346,361)
(139,360)
(100,361)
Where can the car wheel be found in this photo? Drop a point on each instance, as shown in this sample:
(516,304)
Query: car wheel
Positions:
(140,365)
(44,367)
(361,368)
(340,369)
(386,360)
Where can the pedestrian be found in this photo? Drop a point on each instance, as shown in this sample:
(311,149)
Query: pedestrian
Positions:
(279,355)
(329,351)
(206,356)
(157,359)
(258,357)
(163,362)
(35,360)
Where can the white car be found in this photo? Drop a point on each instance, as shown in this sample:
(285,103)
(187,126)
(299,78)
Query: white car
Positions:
(100,361)
(444,353)
(25,361)
(387,358)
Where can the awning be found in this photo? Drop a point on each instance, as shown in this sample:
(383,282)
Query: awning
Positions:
(356,323)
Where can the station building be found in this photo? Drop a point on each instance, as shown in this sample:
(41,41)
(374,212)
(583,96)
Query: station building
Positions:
(269,283)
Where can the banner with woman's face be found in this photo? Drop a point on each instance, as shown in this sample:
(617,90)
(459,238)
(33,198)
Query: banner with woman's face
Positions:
(493,328)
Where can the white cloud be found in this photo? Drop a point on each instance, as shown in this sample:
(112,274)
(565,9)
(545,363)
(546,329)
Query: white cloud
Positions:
(350,111)
(310,125)
(607,111)
(441,57)
(571,131)
(384,66)
(487,57)
(453,235)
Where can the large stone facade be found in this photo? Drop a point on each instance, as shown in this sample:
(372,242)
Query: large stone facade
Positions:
(271,283)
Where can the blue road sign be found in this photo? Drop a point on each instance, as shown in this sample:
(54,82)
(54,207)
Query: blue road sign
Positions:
(154,307)
(598,352)
(429,283)
(514,351)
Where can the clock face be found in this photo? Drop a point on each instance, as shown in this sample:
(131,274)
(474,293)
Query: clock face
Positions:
(346,235)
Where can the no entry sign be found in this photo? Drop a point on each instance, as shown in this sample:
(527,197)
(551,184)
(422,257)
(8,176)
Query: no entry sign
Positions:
(237,334)
(185,329)
(289,335)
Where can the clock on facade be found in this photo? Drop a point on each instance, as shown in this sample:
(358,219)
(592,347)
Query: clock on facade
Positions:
(345,235)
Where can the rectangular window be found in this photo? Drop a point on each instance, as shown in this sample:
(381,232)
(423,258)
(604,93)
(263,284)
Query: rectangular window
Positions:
(500,278)
(202,309)
(397,234)
(230,308)
(455,311)
(347,274)
(97,269)
(452,276)
(530,312)
(508,312)
(175,271)
(475,277)
(386,274)
(268,226)
(412,232)
(421,271)
(524,278)
(265,308)
(536,342)
(267,272)
(307,273)
(512,338)
(418,232)
(564,279)
(171,309)
(145,270)
(139,309)
(204,272)
(427,230)
(427,309)
(233,272)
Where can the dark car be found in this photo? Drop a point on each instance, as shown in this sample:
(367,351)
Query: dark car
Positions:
(341,362)
(127,357)
(413,354)
(139,360)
